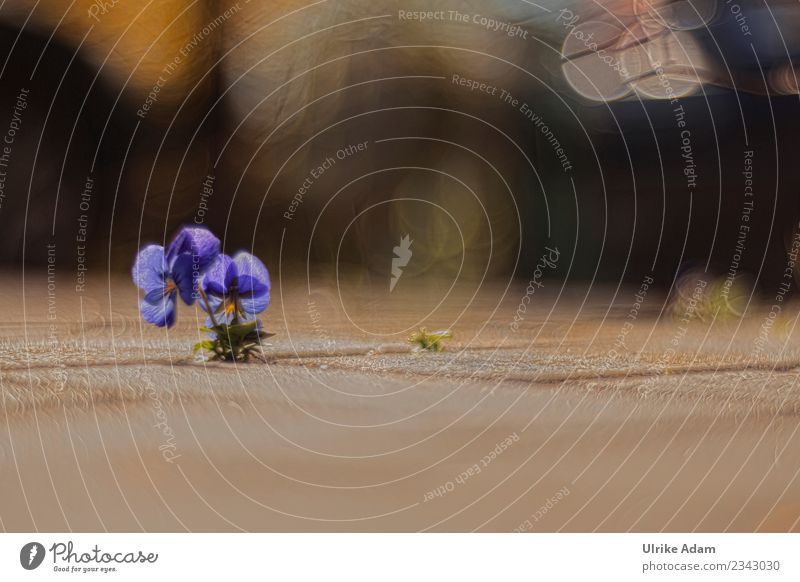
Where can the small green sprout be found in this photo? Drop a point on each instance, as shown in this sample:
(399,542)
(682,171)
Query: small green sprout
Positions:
(430,342)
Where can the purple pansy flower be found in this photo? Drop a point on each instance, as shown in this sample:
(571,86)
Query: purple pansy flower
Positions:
(162,275)
(151,273)
(237,288)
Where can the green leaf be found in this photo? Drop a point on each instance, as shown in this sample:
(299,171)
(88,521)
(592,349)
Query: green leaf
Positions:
(204,345)
(234,342)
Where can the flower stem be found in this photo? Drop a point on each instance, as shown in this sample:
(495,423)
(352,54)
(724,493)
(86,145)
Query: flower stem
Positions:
(208,306)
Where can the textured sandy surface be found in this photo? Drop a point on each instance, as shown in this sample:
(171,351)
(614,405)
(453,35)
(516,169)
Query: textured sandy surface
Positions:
(114,426)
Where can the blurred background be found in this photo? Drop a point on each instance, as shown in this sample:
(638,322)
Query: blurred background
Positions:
(636,137)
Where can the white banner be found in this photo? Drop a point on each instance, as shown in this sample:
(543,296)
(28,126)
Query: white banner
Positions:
(399,557)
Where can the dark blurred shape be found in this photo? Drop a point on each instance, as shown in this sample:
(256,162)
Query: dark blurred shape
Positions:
(618,132)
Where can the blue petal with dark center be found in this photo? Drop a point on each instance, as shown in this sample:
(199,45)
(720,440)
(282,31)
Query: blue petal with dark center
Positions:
(185,276)
(198,242)
(220,276)
(254,304)
(253,283)
(150,268)
(158,308)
